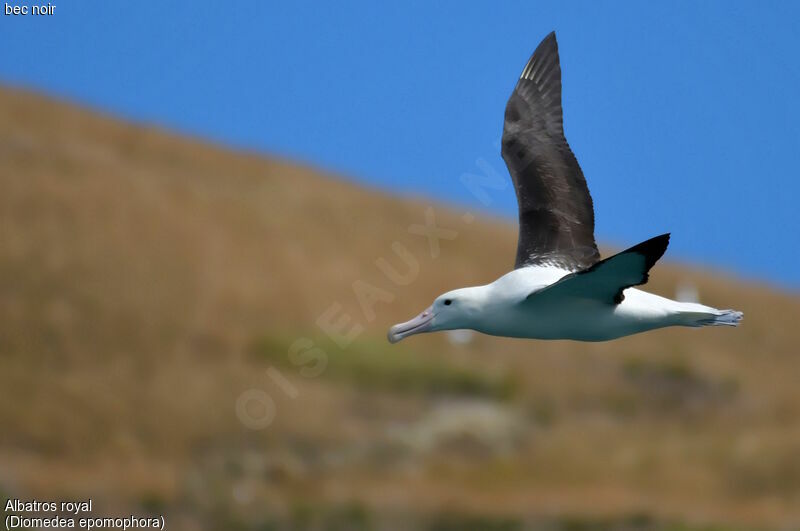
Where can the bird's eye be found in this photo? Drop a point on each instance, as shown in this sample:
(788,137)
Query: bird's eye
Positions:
(448,302)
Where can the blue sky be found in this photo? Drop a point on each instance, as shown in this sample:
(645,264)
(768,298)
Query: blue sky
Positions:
(684,115)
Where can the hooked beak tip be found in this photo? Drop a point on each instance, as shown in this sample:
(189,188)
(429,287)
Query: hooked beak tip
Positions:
(392,337)
(417,325)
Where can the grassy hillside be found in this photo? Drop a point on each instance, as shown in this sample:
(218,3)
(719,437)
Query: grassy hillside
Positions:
(160,297)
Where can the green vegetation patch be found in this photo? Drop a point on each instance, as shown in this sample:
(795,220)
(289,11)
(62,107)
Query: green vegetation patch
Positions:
(454,521)
(377,365)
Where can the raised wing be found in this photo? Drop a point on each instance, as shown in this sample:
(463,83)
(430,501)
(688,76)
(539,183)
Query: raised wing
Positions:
(556,216)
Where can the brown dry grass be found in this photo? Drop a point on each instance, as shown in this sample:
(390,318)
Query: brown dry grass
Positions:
(140,272)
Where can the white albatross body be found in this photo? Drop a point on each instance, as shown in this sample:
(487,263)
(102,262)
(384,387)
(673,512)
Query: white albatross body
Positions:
(559,288)
(501,309)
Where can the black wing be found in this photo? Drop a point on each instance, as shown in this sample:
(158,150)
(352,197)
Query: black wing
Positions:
(556,217)
(608,279)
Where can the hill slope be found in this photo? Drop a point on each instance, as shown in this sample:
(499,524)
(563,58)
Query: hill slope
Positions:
(151,284)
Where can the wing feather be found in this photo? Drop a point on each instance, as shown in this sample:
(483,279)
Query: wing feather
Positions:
(607,280)
(556,216)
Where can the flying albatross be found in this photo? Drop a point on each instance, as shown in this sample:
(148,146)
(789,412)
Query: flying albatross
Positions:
(559,288)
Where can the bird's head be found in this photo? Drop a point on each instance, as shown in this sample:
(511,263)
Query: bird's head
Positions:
(450,311)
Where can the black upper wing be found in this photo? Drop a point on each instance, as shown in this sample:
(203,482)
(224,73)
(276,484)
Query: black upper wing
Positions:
(556,217)
(607,280)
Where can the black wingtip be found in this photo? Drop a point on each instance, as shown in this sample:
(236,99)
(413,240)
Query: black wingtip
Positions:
(548,43)
(544,60)
(651,249)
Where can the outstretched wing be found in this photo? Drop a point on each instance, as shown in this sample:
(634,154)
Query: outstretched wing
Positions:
(556,217)
(606,280)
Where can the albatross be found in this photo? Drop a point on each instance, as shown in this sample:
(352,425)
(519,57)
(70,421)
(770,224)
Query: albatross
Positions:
(559,288)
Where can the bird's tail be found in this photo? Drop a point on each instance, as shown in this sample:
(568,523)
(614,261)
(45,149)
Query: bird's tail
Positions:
(699,315)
